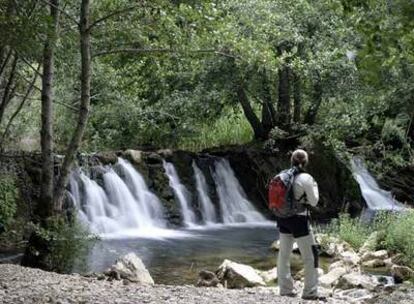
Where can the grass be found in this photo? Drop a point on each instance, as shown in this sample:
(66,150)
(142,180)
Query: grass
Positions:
(395,232)
(228,130)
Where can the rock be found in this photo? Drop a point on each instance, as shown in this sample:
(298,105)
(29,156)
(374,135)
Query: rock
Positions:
(269,276)
(130,267)
(107,157)
(374,263)
(301,274)
(329,279)
(331,246)
(354,295)
(134,156)
(276,246)
(374,255)
(207,279)
(397,259)
(350,258)
(337,264)
(357,280)
(401,273)
(370,243)
(235,275)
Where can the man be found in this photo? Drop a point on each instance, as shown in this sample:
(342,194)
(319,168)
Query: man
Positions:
(297,229)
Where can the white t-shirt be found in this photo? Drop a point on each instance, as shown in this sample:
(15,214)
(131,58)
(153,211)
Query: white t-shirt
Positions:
(305,184)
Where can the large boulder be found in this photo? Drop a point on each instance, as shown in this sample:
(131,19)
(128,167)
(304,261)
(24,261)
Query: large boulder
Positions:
(375,263)
(235,275)
(350,258)
(130,267)
(401,273)
(374,255)
(357,280)
(331,278)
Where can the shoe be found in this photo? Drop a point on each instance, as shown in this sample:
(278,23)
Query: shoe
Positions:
(315,298)
(290,294)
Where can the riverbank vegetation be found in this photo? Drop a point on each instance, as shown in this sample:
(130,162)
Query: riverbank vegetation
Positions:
(393,232)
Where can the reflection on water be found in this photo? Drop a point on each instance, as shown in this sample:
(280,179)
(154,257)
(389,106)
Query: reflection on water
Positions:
(178,260)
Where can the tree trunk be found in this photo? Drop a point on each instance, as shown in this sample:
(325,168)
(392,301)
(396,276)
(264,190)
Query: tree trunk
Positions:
(284,107)
(46,208)
(8,88)
(86,67)
(268,110)
(310,117)
(250,114)
(297,98)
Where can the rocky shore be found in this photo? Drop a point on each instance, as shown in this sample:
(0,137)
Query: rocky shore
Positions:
(25,285)
(20,285)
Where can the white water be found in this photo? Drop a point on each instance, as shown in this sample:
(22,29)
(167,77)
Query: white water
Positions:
(181,193)
(375,197)
(234,205)
(150,204)
(123,209)
(207,207)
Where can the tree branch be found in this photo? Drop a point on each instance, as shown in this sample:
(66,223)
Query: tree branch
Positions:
(69,16)
(162,50)
(37,72)
(118,12)
(19,108)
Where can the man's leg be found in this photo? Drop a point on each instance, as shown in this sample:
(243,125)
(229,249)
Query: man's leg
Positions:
(310,259)
(284,276)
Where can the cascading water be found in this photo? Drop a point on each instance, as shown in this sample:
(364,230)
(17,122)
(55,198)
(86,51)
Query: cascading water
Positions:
(151,205)
(96,209)
(208,212)
(235,207)
(181,194)
(375,197)
(123,205)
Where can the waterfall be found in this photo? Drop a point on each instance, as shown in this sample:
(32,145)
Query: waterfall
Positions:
(124,205)
(96,210)
(151,205)
(207,207)
(181,193)
(235,207)
(375,197)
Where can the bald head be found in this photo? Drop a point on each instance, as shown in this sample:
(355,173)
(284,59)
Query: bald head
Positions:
(299,158)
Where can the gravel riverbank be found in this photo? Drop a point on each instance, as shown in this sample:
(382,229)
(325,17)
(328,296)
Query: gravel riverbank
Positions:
(20,285)
(24,285)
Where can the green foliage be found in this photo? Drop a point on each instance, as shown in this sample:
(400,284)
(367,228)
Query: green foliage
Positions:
(395,232)
(67,242)
(397,235)
(351,230)
(8,199)
(229,130)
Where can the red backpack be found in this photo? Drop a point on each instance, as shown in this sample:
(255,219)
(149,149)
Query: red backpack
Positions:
(281,199)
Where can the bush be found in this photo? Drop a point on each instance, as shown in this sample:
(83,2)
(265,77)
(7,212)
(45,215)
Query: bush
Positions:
(398,235)
(8,199)
(350,230)
(68,244)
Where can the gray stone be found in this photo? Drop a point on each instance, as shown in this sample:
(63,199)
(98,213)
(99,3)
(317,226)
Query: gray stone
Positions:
(207,279)
(357,280)
(269,276)
(401,273)
(130,267)
(328,280)
(374,263)
(235,275)
(374,255)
